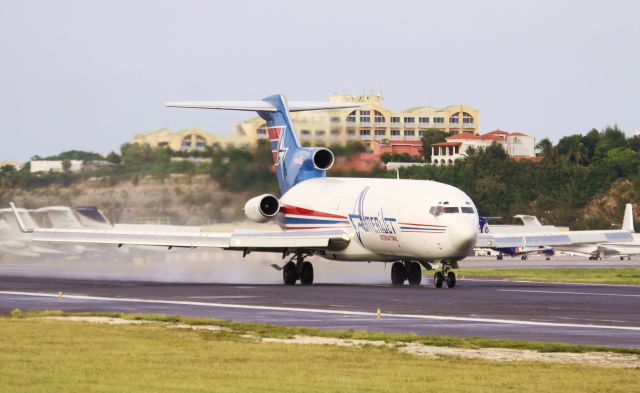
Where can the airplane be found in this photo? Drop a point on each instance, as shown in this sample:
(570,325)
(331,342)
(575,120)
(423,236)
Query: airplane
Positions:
(409,223)
(530,224)
(533,237)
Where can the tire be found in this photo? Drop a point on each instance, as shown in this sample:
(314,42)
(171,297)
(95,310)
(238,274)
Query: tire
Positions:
(451,279)
(414,274)
(398,273)
(438,279)
(289,274)
(306,273)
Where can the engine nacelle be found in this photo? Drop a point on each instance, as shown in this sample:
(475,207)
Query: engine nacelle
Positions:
(322,159)
(262,208)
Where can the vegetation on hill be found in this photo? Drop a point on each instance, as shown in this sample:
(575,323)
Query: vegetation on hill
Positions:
(583,181)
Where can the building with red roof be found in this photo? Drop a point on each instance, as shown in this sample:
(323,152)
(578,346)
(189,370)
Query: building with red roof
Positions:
(517,145)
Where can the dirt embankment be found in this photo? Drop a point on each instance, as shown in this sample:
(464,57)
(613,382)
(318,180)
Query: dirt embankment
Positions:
(178,199)
(606,209)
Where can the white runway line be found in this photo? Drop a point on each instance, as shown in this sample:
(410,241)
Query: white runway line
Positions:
(548,282)
(568,292)
(322,311)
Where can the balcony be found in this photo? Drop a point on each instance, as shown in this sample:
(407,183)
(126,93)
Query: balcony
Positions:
(409,125)
(396,137)
(380,124)
(365,124)
(439,125)
(425,125)
(469,125)
(410,138)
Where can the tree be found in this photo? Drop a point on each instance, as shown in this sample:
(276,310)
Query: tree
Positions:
(547,151)
(113,158)
(134,154)
(66,166)
(429,137)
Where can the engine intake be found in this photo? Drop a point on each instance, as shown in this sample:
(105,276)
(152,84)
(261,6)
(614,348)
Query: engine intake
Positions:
(262,208)
(323,159)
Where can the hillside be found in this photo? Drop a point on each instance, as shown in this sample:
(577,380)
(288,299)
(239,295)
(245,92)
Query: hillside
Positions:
(178,199)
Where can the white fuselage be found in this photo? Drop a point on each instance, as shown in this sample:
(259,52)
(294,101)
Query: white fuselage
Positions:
(386,219)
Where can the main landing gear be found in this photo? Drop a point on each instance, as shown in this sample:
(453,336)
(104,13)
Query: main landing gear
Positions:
(406,271)
(299,270)
(446,274)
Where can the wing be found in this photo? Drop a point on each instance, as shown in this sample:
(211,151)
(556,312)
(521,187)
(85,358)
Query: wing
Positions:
(551,239)
(276,241)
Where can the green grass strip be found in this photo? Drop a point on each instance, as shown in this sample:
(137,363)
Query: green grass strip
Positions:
(579,275)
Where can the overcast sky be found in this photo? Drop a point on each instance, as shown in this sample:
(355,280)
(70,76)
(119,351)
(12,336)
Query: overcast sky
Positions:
(89,74)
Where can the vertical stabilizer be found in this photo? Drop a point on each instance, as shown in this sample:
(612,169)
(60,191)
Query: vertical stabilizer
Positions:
(627,222)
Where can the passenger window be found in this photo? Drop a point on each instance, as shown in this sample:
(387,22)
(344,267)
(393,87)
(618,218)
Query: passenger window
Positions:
(466,209)
(450,210)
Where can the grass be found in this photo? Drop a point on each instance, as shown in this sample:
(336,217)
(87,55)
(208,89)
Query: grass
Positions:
(49,356)
(584,275)
(277,331)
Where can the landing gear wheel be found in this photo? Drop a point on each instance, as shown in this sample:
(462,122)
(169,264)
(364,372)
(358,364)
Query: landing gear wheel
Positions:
(306,273)
(398,273)
(499,257)
(451,279)
(290,274)
(414,273)
(438,279)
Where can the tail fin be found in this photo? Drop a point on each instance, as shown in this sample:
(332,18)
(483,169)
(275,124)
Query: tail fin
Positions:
(293,162)
(627,222)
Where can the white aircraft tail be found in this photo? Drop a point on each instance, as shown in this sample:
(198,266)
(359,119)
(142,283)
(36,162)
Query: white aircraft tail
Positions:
(627,222)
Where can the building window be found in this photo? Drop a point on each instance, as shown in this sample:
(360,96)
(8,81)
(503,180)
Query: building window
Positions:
(467,118)
(421,133)
(335,119)
(395,132)
(455,118)
(320,133)
(423,120)
(379,117)
(201,143)
(335,131)
(409,133)
(395,119)
(438,120)
(305,132)
(186,143)
(351,132)
(365,132)
(365,116)
(409,120)
(457,149)
(380,133)
(351,118)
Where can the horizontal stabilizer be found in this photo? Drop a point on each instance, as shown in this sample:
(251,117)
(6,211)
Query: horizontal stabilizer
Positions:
(262,106)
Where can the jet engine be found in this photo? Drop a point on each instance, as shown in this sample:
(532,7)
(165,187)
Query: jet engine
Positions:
(262,208)
(322,159)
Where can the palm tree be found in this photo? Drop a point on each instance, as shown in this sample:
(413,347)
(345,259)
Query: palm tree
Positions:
(547,151)
(578,152)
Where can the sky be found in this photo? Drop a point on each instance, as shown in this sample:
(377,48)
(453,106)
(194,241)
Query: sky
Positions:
(88,75)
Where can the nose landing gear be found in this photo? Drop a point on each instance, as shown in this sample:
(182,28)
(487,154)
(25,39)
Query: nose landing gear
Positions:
(300,270)
(446,274)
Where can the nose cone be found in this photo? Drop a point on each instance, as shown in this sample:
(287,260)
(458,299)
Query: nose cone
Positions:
(463,234)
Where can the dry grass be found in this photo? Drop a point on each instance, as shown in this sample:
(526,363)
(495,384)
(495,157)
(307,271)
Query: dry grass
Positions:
(52,355)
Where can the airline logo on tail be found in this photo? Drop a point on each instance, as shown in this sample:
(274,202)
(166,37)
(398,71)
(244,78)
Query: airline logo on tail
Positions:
(278,151)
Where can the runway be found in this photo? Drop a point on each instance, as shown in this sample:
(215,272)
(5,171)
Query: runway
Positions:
(577,313)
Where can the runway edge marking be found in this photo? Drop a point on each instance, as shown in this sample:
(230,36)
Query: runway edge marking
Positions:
(321,311)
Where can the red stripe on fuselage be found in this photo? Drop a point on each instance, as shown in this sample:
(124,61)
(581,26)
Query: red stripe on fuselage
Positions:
(422,225)
(301,211)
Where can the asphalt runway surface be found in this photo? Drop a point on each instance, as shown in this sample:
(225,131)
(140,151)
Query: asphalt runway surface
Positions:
(577,313)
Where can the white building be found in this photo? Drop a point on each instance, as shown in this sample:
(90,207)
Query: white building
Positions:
(516,144)
(55,166)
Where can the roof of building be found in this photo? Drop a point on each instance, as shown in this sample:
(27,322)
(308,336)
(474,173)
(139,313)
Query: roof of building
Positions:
(517,134)
(446,144)
(464,135)
(497,132)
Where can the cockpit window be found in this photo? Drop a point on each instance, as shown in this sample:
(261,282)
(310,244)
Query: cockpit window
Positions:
(451,209)
(467,209)
(436,210)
